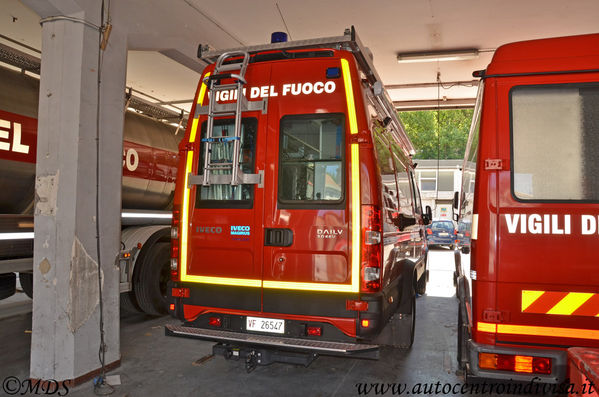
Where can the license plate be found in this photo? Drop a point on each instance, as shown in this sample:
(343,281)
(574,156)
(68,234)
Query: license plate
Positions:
(443,234)
(265,325)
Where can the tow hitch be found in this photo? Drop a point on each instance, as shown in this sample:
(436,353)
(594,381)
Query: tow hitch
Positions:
(261,356)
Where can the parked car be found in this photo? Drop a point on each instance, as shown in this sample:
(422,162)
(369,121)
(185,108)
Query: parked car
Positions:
(441,233)
(463,236)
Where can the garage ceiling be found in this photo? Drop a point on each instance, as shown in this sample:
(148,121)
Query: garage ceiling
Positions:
(163,36)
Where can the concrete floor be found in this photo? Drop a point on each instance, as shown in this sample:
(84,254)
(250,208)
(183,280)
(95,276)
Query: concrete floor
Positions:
(156,365)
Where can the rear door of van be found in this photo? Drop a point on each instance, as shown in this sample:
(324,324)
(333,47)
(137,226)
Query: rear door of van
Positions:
(548,195)
(226,236)
(307,263)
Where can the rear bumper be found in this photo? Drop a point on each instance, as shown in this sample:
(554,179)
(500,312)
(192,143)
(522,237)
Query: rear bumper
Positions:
(558,368)
(276,342)
(441,240)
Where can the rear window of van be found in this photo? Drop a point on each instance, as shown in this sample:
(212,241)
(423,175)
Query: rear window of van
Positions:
(311,159)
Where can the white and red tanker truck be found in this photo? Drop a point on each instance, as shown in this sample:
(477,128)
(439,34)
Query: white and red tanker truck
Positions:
(150,155)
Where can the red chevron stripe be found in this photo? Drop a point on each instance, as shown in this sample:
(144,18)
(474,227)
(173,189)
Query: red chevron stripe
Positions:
(589,308)
(545,302)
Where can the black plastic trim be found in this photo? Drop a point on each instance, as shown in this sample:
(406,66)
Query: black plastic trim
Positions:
(223,296)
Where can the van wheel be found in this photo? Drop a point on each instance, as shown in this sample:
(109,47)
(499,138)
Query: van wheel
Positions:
(460,336)
(8,285)
(26,280)
(405,327)
(421,284)
(153,275)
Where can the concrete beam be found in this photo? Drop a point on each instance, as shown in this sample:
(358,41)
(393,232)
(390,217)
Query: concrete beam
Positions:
(66,308)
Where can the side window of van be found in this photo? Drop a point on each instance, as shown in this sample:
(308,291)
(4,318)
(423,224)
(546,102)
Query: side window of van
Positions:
(311,159)
(227,196)
(389,194)
(406,198)
(417,199)
(554,142)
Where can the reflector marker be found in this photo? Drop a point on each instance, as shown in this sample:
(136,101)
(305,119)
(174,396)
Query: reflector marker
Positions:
(560,303)
(238,282)
(528,297)
(554,332)
(486,327)
(570,303)
(308,286)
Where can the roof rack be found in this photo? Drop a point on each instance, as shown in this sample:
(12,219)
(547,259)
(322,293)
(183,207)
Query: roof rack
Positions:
(350,42)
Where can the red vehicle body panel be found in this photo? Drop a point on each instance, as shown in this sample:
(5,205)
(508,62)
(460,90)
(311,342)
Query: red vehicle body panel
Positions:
(314,277)
(535,284)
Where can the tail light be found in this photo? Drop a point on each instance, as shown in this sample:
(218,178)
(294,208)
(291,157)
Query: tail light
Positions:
(314,331)
(215,322)
(175,243)
(371,249)
(515,363)
(429,231)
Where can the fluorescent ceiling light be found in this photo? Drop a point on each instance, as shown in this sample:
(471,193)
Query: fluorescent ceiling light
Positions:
(455,55)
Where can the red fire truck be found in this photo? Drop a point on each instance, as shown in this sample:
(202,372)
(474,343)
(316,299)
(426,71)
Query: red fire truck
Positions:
(530,193)
(297,223)
(149,169)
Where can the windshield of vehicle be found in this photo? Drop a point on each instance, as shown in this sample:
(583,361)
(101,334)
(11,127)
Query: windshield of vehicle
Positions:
(443,225)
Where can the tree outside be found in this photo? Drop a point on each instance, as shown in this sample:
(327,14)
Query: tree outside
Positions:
(452,129)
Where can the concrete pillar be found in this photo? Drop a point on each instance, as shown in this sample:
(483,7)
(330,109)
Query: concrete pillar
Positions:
(66,310)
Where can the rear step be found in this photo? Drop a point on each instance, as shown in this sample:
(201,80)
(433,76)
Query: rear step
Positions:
(321,347)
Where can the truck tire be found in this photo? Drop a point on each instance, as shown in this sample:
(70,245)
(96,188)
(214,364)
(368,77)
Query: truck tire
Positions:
(405,326)
(128,303)
(152,277)
(8,285)
(26,280)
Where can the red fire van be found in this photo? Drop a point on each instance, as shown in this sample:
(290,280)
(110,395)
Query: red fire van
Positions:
(531,195)
(297,223)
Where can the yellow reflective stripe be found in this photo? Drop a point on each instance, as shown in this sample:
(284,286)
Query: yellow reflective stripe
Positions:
(194,125)
(570,303)
(349,95)
(548,331)
(184,216)
(529,297)
(486,327)
(356,217)
(356,209)
(238,282)
(185,207)
(309,286)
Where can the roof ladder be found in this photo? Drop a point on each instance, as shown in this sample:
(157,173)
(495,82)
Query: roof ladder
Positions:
(230,65)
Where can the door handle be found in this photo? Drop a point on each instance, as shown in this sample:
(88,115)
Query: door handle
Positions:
(278,237)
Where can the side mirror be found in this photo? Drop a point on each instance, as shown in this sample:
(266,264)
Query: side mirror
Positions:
(401,221)
(427,217)
(455,207)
